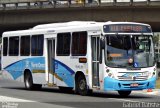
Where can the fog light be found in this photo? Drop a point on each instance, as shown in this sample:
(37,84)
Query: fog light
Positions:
(119,85)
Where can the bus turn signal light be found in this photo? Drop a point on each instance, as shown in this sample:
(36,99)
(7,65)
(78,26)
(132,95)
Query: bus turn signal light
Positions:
(82,60)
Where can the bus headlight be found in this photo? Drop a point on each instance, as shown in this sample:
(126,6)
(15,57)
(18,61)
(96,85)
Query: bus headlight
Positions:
(146,74)
(150,74)
(107,70)
(111,75)
(153,74)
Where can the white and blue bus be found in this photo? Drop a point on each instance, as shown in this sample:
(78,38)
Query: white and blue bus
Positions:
(83,56)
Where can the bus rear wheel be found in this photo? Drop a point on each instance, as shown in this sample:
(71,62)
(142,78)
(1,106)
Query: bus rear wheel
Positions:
(124,93)
(28,81)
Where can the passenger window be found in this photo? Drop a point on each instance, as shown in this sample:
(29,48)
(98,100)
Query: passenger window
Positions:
(37,45)
(14,46)
(79,43)
(63,44)
(25,45)
(5,46)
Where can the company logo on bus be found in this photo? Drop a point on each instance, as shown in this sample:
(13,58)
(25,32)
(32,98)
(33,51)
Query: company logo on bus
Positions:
(34,65)
(133,75)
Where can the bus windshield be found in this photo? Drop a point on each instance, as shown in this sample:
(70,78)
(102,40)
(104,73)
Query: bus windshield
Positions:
(135,51)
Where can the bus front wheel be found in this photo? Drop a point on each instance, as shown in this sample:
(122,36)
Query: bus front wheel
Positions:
(66,89)
(124,93)
(82,85)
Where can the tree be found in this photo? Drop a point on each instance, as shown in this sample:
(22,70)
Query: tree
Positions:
(155,39)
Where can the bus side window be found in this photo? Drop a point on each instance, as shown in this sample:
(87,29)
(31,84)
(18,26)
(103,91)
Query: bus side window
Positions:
(63,44)
(37,45)
(79,43)
(5,46)
(14,46)
(25,46)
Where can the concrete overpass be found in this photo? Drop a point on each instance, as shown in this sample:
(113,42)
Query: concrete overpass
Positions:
(22,17)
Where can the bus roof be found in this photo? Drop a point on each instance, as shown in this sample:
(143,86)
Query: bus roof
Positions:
(110,22)
(64,27)
(65,24)
(45,30)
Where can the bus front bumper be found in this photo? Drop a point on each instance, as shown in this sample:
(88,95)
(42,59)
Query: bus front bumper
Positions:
(113,84)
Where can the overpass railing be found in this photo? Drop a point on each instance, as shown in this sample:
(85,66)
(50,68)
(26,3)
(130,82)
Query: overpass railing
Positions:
(23,4)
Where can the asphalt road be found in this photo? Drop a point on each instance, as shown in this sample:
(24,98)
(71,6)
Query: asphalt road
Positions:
(14,95)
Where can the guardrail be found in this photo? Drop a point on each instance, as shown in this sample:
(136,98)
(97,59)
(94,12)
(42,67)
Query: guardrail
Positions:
(23,4)
(20,1)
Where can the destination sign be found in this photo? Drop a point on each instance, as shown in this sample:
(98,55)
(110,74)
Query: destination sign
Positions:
(126,28)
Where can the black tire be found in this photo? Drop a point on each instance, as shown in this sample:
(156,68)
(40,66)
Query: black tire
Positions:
(37,86)
(28,81)
(158,74)
(66,89)
(124,93)
(81,86)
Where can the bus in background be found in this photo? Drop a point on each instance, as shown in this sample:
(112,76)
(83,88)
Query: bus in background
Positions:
(83,56)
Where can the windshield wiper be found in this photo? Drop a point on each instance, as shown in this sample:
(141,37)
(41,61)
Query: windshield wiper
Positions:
(121,66)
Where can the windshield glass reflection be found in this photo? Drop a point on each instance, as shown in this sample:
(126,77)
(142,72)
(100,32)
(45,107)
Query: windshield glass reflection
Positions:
(129,51)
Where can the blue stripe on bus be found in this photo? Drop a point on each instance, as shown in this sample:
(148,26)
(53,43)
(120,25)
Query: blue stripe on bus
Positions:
(66,73)
(65,66)
(16,69)
(15,74)
(13,64)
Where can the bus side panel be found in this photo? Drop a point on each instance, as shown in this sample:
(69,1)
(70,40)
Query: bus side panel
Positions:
(12,68)
(16,69)
(64,74)
(65,70)
(37,67)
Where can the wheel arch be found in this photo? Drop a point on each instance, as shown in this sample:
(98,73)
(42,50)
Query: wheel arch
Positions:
(79,73)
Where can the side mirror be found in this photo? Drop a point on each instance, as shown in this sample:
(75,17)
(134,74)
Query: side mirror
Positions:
(102,44)
(156,59)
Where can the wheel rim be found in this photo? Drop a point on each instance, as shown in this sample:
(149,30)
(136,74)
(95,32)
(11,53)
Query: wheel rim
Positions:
(28,79)
(82,84)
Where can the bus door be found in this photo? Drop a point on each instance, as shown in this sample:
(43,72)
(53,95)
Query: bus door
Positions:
(95,44)
(51,57)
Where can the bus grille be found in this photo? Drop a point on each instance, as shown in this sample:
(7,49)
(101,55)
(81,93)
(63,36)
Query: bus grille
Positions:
(132,77)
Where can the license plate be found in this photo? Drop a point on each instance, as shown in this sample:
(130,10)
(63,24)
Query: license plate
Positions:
(134,85)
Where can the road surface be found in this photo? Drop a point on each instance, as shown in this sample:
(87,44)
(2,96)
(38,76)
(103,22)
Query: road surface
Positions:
(14,95)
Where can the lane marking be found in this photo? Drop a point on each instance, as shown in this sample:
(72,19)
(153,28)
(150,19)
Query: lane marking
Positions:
(10,102)
(153,93)
(121,100)
(127,100)
(12,99)
(149,93)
